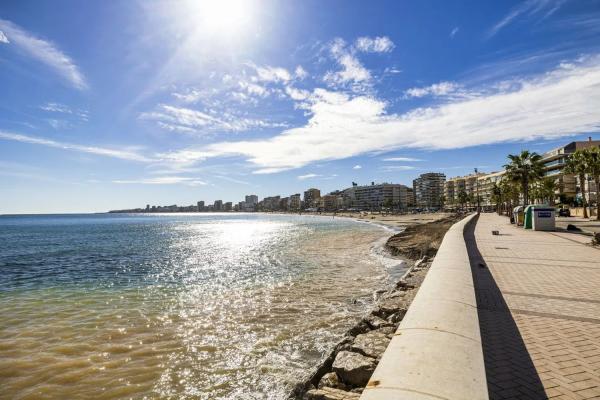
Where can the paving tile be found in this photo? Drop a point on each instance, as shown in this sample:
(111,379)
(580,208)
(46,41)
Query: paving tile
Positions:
(539,310)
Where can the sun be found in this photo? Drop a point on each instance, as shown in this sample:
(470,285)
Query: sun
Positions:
(226,17)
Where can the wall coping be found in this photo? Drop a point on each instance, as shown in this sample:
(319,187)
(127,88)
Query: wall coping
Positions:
(436,352)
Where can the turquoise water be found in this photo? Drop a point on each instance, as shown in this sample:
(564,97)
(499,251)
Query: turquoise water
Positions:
(235,306)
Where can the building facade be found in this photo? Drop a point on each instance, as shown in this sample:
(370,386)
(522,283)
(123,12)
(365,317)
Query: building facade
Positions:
(381,195)
(310,197)
(295,202)
(428,190)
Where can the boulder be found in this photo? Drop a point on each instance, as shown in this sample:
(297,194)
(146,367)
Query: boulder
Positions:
(396,317)
(371,344)
(359,328)
(353,368)
(328,393)
(387,330)
(389,306)
(331,379)
(376,322)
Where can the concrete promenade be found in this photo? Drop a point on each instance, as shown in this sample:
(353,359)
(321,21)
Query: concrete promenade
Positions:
(538,300)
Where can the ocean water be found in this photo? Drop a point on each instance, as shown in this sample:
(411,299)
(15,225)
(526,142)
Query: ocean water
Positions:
(176,306)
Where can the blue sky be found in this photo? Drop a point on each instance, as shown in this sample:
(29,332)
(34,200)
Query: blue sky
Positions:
(118,104)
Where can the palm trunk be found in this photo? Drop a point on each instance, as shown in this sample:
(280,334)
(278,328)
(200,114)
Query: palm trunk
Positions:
(597,182)
(582,183)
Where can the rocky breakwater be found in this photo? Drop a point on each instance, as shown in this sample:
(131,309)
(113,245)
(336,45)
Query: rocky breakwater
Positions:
(344,373)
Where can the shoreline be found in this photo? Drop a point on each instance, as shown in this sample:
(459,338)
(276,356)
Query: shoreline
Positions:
(344,372)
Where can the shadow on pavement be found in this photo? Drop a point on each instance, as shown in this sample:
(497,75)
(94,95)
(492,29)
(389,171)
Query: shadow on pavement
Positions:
(509,369)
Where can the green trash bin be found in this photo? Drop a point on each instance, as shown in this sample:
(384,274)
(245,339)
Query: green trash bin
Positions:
(528,223)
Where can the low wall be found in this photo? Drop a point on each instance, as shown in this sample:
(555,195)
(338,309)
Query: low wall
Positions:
(436,352)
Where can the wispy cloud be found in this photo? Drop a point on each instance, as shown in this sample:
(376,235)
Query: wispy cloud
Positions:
(44,51)
(186,120)
(402,159)
(564,101)
(357,167)
(391,168)
(437,89)
(379,44)
(308,176)
(3,38)
(543,8)
(163,180)
(101,151)
(454,31)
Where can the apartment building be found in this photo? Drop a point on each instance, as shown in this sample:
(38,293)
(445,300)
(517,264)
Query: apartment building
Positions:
(310,197)
(329,202)
(295,202)
(554,161)
(376,196)
(218,205)
(428,189)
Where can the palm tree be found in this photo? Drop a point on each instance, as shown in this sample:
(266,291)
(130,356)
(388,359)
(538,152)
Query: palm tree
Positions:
(497,197)
(524,169)
(593,161)
(576,164)
(463,198)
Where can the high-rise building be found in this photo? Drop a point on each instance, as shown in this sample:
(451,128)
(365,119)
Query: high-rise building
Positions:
(295,202)
(228,206)
(200,206)
(554,161)
(428,190)
(251,199)
(218,206)
(381,195)
(310,197)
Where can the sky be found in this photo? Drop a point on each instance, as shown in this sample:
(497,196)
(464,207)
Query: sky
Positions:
(111,105)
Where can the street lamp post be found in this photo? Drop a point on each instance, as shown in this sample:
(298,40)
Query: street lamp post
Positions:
(477,189)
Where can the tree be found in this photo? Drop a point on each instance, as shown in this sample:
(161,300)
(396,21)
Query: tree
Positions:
(524,169)
(510,193)
(576,164)
(496,195)
(463,198)
(442,201)
(593,161)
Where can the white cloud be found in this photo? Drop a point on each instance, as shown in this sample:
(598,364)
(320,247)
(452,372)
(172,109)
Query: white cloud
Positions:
(390,168)
(185,120)
(352,72)
(253,89)
(163,180)
(56,107)
(379,44)
(437,89)
(3,38)
(300,72)
(297,94)
(357,167)
(272,74)
(45,52)
(308,176)
(562,102)
(528,8)
(454,31)
(102,151)
(403,159)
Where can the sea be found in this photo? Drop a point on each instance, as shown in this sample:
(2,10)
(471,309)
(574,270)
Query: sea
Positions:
(179,306)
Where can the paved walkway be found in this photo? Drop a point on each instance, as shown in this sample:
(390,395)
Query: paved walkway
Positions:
(538,297)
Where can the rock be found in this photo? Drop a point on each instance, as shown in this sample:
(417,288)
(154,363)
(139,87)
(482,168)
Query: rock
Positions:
(353,368)
(376,322)
(403,285)
(387,330)
(359,328)
(396,317)
(395,293)
(371,344)
(344,344)
(328,393)
(331,380)
(387,307)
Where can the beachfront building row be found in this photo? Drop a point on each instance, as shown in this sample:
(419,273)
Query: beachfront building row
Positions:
(568,186)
